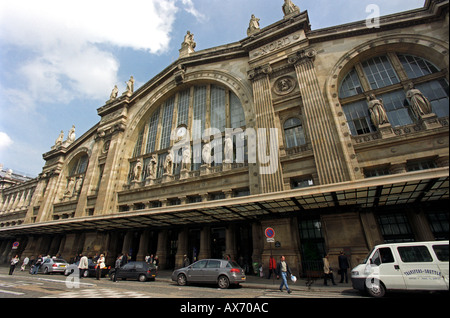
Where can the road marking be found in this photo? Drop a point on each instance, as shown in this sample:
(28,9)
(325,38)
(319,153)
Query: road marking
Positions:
(11,292)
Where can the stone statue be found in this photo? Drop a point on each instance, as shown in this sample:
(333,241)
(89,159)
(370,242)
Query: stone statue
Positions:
(228,150)
(186,162)
(151,167)
(189,40)
(78,185)
(289,8)
(206,154)
(137,170)
(253,26)
(114,93)
(419,103)
(70,187)
(377,111)
(168,164)
(130,86)
(71,135)
(60,139)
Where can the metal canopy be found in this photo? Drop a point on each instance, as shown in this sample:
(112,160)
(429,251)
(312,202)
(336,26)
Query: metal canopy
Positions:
(413,187)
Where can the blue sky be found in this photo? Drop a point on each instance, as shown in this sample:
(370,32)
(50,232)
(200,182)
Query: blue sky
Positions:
(59,60)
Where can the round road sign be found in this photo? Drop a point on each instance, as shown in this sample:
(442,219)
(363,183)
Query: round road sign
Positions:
(269,232)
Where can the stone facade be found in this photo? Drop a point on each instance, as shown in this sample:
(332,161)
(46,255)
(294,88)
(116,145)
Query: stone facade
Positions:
(315,167)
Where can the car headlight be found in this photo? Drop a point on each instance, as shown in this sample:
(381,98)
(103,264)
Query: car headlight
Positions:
(355,273)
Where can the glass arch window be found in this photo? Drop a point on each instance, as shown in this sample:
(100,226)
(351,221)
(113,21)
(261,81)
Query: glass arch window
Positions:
(293,133)
(378,76)
(195,108)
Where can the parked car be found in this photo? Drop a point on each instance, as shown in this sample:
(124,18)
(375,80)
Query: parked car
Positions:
(91,272)
(415,266)
(215,271)
(53,265)
(141,271)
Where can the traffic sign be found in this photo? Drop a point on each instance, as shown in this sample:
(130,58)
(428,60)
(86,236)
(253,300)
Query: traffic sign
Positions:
(269,232)
(15,245)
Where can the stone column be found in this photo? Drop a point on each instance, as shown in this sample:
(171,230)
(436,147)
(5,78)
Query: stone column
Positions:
(331,164)
(205,243)
(182,247)
(161,251)
(265,119)
(230,241)
(143,246)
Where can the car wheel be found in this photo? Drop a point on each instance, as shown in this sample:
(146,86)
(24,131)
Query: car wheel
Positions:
(223,282)
(376,289)
(181,280)
(46,272)
(142,278)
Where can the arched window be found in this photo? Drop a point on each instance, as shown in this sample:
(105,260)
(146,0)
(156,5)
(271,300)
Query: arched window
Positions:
(293,133)
(378,76)
(78,166)
(195,108)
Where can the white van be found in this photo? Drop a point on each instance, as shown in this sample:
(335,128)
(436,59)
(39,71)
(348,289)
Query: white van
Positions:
(404,267)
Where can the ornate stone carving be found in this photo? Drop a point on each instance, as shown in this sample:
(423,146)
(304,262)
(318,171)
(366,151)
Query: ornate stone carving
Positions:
(302,56)
(259,71)
(284,85)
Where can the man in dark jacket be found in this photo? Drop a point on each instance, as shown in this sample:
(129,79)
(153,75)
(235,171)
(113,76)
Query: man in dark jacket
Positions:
(343,267)
(283,270)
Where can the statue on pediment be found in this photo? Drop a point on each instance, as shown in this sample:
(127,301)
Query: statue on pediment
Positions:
(71,135)
(290,8)
(60,139)
(189,41)
(114,93)
(253,26)
(130,86)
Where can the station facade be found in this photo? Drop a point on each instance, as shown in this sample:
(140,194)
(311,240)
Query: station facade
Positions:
(335,138)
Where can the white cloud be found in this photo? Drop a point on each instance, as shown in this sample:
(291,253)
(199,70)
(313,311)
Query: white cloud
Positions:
(67,44)
(5,141)
(190,8)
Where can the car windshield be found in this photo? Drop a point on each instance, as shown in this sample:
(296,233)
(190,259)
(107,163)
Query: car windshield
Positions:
(367,257)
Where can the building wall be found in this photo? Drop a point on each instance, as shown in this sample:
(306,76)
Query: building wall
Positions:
(288,71)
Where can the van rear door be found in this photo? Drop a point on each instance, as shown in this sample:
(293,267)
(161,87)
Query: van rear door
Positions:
(420,271)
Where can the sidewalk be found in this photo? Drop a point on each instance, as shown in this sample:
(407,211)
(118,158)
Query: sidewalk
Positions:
(253,281)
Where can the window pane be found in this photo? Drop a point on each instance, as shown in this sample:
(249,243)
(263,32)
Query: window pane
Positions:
(236,112)
(441,252)
(167,123)
(199,112)
(437,92)
(358,118)
(416,66)
(138,147)
(396,111)
(410,254)
(183,108)
(350,85)
(379,72)
(152,130)
(218,114)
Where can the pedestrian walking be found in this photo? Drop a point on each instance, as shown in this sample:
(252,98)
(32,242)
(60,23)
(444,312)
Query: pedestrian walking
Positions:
(156,262)
(343,267)
(272,266)
(100,266)
(13,264)
(328,271)
(83,265)
(283,270)
(186,261)
(37,265)
(26,260)
(117,267)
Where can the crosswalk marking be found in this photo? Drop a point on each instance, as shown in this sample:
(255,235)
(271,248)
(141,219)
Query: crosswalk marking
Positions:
(11,292)
(98,293)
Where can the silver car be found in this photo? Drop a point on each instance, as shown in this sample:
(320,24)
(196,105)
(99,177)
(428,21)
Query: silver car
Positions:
(215,271)
(53,265)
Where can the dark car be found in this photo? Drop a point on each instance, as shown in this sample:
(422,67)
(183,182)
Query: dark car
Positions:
(141,271)
(91,272)
(215,271)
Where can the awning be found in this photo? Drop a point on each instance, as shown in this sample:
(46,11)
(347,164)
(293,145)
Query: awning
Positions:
(409,188)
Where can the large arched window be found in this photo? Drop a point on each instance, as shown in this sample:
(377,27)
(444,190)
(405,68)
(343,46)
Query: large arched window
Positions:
(195,108)
(378,75)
